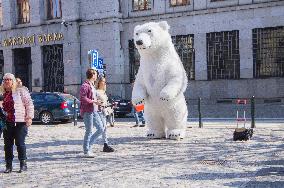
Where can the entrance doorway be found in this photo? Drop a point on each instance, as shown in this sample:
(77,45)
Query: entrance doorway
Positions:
(1,64)
(53,68)
(23,66)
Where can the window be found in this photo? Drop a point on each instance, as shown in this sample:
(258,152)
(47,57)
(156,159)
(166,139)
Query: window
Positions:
(134,60)
(223,57)
(37,97)
(141,4)
(1,14)
(54,9)
(23,11)
(184,47)
(51,98)
(174,3)
(268,52)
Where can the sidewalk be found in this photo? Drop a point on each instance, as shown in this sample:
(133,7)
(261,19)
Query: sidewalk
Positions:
(262,111)
(207,157)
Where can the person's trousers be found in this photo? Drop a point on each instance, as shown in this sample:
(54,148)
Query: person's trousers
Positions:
(15,132)
(91,120)
(136,116)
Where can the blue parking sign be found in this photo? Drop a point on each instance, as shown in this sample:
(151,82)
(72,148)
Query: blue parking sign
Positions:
(94,57)
(100,63)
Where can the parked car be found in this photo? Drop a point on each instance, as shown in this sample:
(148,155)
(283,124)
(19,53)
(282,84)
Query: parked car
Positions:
(54,106)
(121,106)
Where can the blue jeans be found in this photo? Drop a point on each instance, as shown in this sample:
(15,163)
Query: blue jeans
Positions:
(137,116)
(91,120)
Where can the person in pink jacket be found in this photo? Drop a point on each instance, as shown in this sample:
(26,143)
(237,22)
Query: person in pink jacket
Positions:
(19,109)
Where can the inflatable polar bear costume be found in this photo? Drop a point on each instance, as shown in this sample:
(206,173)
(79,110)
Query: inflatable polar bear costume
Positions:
(160,82)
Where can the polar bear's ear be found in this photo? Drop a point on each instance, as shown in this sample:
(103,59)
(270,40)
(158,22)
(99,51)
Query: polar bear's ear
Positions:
(164,25)
(137,27)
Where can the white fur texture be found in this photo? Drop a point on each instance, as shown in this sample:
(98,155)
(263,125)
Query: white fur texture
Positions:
(160,82)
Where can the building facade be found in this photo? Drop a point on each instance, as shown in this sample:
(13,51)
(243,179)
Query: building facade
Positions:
(230,48)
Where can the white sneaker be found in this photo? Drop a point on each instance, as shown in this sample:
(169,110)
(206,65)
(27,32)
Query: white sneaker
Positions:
(89,154)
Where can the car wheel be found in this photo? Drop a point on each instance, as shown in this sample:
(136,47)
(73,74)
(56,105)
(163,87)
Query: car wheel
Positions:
(46,118)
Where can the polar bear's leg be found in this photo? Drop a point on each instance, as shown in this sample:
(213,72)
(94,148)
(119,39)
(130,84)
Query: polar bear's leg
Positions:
(154,121)
(176,120)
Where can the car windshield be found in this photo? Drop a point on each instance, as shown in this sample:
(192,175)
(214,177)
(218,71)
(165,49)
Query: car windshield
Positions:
(68,97)
(115,97)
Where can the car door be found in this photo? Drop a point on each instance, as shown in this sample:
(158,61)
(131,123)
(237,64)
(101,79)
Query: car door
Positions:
(38,101)
(52,105)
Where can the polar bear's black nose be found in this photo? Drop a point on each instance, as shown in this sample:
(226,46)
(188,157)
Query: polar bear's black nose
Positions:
(139,42)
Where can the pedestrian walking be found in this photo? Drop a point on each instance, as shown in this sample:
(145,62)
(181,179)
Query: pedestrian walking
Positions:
(89,112)
(2,117)
(19,82)
(105,110)
(138,115)
(19,109)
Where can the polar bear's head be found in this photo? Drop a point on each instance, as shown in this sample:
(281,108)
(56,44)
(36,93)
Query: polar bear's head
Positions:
(151,35)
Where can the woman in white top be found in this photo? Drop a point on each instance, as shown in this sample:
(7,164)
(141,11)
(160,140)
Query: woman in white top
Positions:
(101,96)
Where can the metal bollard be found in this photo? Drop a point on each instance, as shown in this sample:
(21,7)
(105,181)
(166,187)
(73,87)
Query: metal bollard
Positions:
(75,114)
(252,112)
(199,113)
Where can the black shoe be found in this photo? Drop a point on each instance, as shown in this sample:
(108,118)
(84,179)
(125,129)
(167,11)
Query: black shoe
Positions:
(107,148)
(8,167)
(136,125)
(23,166)
(143,125)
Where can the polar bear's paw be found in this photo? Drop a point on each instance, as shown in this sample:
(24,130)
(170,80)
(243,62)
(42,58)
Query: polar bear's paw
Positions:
(163,99)
(138,101)
(166,96)
(155,134)
(175,134)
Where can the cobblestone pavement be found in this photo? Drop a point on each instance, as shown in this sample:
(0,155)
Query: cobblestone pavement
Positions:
(207,157)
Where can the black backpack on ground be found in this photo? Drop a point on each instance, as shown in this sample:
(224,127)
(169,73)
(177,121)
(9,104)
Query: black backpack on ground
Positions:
(242,134)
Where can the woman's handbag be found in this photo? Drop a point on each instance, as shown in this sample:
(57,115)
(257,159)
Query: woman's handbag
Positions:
(107,111)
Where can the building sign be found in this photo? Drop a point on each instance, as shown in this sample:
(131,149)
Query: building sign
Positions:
(101,66)
(96,62)
(93,56)
(22,40)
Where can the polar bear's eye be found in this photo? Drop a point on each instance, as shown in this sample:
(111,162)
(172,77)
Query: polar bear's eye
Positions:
(136,33)
(149,31)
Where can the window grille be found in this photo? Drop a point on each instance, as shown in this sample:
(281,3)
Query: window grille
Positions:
(184,47)
(1,14)
(54,9)
(23,11)
(141,5)
(268,52)
(134,60)
(223,57)
(174,3)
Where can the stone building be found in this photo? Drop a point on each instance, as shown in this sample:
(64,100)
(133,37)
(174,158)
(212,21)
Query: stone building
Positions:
(230,48)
